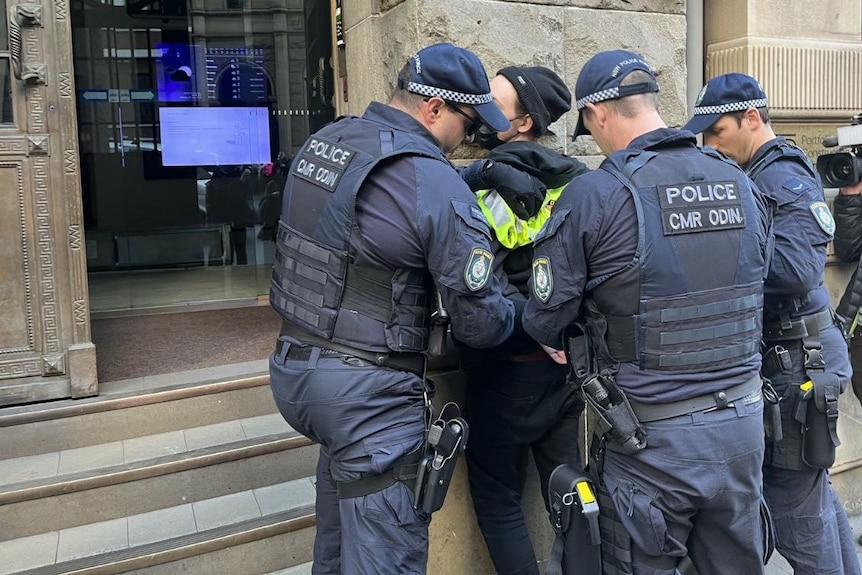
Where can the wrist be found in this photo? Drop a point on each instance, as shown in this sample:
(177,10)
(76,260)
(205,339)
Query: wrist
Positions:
(853,190)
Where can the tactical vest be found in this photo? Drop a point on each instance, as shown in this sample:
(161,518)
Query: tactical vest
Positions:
(782,308)
(782,150)
(690,299)
(321,281)
(511,231)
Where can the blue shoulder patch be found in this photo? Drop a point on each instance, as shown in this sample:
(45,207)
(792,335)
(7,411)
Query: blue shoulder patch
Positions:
(823,217)
(796,185)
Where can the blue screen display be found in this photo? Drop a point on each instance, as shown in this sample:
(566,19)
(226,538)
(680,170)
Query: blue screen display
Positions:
(214,136)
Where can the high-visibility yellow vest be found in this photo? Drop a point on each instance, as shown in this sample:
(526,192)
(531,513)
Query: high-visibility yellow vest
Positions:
(511,231)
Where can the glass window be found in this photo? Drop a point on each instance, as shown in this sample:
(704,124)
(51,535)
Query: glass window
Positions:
(4,27)
(5,68)
(5,92)
(189,114)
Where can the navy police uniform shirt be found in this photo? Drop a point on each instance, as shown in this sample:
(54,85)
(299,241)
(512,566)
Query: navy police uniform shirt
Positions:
(803,226)
(592,234)
(417,212)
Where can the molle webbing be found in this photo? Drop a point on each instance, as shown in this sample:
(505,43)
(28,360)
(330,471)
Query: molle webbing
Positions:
(301,285)
(697,331)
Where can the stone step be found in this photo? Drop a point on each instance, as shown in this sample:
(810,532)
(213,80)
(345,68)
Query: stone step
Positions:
(71,424)
(252,531)
(57,490)
(304,569)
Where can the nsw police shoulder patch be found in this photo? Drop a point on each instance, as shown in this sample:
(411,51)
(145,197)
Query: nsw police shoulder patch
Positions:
(478,268)
(823,216)
(543,281)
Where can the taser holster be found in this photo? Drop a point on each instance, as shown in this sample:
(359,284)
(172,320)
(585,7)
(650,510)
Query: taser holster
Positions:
(817,412)
(575,519)
(446,441)
(439,327)
(615,417)
(613,412)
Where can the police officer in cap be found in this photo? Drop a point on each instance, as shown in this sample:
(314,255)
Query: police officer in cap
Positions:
(802,342)
(517,397)
(374,220)
(661,253)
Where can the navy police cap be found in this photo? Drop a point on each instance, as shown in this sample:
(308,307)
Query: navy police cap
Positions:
(726,93)
(600,80)
(455,75)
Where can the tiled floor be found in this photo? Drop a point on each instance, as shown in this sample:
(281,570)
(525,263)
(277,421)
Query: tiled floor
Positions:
(128,532)
(191,288)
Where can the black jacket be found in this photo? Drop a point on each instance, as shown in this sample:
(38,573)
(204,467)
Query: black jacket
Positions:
(847,211)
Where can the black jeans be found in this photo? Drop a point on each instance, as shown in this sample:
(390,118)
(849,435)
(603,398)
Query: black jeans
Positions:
(514,408)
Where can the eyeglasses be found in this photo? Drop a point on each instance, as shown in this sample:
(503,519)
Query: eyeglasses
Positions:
(473,123)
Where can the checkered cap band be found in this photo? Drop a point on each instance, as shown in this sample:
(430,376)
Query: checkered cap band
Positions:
(459,97)
(731,107)
(600,96)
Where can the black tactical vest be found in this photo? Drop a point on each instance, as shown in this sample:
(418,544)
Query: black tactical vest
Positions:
(779,308)
(320,281)
(690,300)
(781,150)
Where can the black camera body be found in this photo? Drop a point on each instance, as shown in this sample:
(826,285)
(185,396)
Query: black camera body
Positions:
(843,168)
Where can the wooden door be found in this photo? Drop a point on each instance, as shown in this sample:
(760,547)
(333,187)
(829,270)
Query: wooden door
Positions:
(45,345)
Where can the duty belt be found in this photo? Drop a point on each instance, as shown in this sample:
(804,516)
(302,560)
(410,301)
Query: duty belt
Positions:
(647,412)
(795,328)
(412,362)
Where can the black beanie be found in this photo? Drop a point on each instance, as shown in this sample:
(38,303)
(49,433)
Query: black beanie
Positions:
(542,92)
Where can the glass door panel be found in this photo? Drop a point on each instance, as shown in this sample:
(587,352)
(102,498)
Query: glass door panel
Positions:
(189,113)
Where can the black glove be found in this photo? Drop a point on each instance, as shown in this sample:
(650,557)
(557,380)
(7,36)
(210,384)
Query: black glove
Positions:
(523,193)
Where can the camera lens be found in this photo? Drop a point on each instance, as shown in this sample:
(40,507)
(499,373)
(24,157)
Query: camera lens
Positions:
(839,170)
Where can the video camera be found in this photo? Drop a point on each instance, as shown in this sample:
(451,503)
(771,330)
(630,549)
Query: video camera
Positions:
(843,168)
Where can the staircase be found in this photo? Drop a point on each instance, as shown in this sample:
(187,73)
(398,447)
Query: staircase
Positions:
(200,476)
(197,474)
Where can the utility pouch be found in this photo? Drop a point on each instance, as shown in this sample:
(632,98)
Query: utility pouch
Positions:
(579,353)
(614,414)
(817,412)
(439,328)
(771,413)
(575,519)
(776,360)
(447,438)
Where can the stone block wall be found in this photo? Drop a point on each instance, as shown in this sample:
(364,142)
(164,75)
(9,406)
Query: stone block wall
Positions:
(808,53)
(559,34)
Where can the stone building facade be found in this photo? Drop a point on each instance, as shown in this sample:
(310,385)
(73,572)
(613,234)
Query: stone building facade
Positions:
(807,54)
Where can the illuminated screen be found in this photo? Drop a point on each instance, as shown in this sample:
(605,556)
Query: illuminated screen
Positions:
(176,73)
(214,136)
(236,75)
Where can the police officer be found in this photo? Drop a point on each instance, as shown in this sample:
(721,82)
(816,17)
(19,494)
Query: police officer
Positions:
(517,398)
(374,219)
(661,254)
(811,527)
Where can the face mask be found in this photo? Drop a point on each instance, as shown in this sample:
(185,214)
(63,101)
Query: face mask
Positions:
(488,140)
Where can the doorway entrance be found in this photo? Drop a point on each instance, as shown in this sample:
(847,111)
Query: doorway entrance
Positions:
(189,112)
